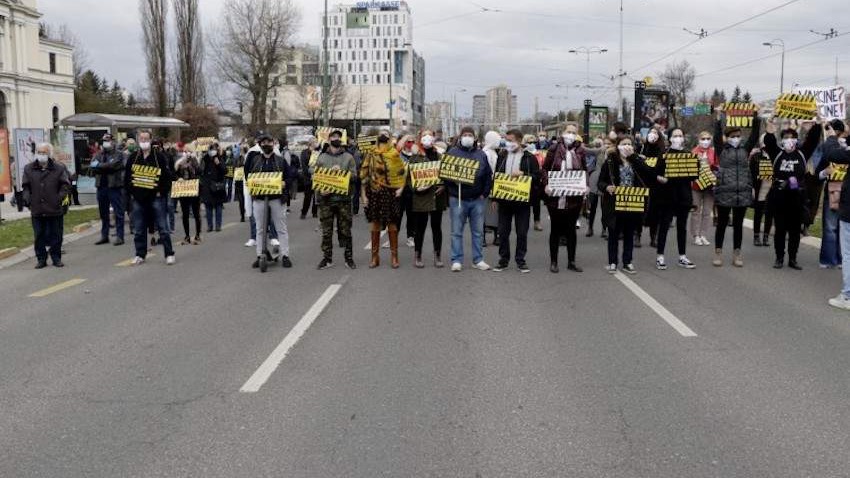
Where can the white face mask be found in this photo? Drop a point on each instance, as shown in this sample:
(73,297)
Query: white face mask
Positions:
(625,150)
(145,145)
(705,143)
(213,153)
(612,136)
(735,142)
(467,141)
(788,144)
(41,158)
(842,142)
(569,138)
(107,145)
(652,137)
(427,141)
(677,142)
(511,146)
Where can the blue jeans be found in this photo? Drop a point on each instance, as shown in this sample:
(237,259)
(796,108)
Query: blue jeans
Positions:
(213,208)
(272,230)
(844,237)
(105,198)
(472,209)
(172,210)
(228,183)
(830,255)
(157,210)
(48,237)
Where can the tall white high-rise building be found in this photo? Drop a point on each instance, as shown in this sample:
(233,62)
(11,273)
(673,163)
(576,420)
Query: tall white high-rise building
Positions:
(501,106)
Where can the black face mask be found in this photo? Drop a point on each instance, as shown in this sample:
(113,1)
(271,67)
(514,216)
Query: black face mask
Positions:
(267,149)
(336,143)
(383,139)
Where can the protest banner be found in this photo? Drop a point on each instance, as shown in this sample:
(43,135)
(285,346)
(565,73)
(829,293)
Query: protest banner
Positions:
(367,143)
(739,115)
(765,169)
(630,199)
(424,174)
(706,178)
(314,156)
(229,172)
(651,162)
(459,170)
(265,184)
(681,165)
(831,101)
(185,188)
(239,174)
(202,145)
(144,177)
(567,183)
(794,106)
(324,132)
(510,188)
(839,172)
(334,181)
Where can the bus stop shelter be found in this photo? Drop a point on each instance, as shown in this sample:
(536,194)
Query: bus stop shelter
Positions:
(121,122)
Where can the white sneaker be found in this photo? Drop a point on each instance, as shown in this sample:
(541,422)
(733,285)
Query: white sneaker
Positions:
(274,242)
(410,242)
(840,302)
(251,243)
(660,264)
(697,240)
(611,269)
(482,266)
(170,260)
(705,241)
(686,263)
(629,269)
(137,261)
(457,267)
(578,224)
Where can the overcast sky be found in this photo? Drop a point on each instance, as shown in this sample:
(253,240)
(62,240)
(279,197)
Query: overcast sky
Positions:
(525,44)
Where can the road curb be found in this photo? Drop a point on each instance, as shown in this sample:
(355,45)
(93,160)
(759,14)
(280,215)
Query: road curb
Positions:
(23,255)
(9,252)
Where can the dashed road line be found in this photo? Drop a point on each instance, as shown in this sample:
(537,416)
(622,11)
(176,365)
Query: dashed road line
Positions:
(653,304)
(57,288)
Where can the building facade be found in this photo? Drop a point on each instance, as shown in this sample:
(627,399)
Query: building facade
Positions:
(479,109)
(438,117)
(501,106)
(36,74)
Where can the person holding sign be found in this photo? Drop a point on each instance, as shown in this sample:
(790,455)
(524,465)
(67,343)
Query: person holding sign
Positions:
(734,191)
(564,210)
(703,195)
(213,187)
(787,197)
(651,150)
(429,198)
(835,151)
(187,169)
(517,163)
(266,161)
(382,177)
(761,168)
(623,168)
(333,205)
(147,176)
(467,200)
(672,198)
(833,175)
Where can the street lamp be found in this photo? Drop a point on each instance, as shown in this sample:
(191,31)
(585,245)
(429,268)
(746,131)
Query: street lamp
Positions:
(588,51)
(778,42)
(454,109)
(558,99)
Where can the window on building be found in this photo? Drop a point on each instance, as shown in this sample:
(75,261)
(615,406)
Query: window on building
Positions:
(389,79)
(52,57)
(349,43)
(336,44)
(361,67)
(374,43)
(3,110)
(377,31)
(395,42)
(353,79)
(365,79)
(55,114)
(361,43)
(386,67)
(336,20)
(291,69)
(349,67)
(339,56)
(378,79)
(339,32)
(386,43)
(399,30)
(374,19)
(395,18)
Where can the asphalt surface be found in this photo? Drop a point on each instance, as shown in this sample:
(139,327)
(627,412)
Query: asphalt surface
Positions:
(136,372)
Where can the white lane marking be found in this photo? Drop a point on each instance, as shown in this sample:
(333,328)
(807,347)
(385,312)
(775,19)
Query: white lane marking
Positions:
(268,367)
(653,304)
(57,287)
(369,245)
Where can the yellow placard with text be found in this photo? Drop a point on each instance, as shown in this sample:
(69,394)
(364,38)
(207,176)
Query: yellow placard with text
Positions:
(145,177)
(508,188)
(424,174)
(681,165)
(794,106)
(630,199)
(459,170)
(239,174)
(334,181)
(185,188)
(839,172)
(265,184)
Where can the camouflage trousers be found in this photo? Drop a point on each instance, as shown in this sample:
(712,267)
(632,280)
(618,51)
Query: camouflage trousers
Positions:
(341,212)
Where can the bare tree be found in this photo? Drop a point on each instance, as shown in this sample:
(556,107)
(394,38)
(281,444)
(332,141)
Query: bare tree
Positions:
(190,52)
(64,34)
(154,14)
(679,78)
(251,46)
(308,103)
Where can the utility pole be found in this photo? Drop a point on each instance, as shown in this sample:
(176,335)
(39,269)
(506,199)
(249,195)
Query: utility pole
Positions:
(620,74)
(780,43)
(325,79)
(391,104)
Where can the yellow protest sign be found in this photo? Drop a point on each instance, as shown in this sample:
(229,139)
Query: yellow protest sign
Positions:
(459,170)
(424,174)
(203,144)
(145,177)
(367,143)
(651,162)
(509,188)
(739,115)
(265,184)
(630,199)
(314,156)
(681,165)
(334,181)
(839,172)
(794,106)
(706,178)
(765,169)
(184,188)
(229,172)
(239,174)
(324,133)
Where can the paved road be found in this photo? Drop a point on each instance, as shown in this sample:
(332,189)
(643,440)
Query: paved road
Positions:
(137,372)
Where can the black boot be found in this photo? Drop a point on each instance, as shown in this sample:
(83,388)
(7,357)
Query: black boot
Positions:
(765,240)
(757,241)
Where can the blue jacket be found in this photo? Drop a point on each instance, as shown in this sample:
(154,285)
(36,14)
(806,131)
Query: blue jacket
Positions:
(483,180)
